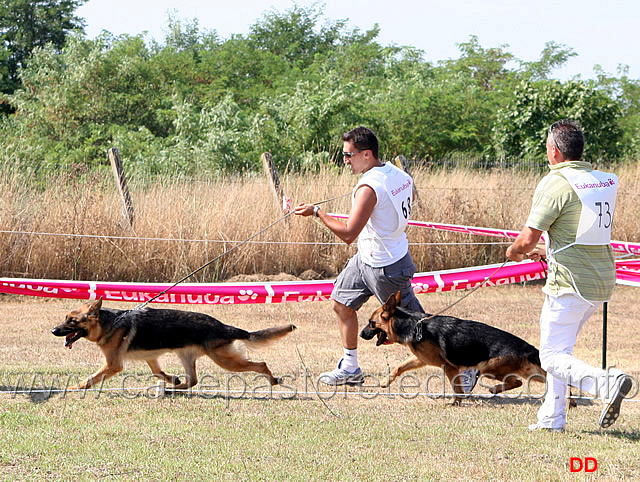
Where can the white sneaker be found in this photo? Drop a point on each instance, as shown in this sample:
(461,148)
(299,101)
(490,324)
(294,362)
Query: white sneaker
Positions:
(611,411)
(536,427)
(340,376)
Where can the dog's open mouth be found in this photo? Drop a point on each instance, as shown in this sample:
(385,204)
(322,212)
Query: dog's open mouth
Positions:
(369,332)
(382,338)
(70,335)
(71,338)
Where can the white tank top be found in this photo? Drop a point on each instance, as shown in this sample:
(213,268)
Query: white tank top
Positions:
(383,241)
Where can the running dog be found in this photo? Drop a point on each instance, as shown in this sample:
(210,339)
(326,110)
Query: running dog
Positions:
(455,345)
(148,333)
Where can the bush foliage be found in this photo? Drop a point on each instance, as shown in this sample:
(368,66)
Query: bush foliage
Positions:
(196,103)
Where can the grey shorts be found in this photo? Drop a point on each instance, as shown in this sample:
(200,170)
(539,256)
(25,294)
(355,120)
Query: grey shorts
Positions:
(358,282)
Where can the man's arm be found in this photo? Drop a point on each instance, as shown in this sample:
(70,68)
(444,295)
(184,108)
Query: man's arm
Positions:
(526,245)
(364,202)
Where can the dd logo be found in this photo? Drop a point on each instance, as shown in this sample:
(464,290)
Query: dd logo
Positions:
(589,464)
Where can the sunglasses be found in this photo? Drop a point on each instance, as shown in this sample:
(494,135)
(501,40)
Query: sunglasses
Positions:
(553,137)
(349,155)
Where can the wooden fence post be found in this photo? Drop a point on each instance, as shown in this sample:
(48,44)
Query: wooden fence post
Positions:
(282,201)
(402,163)
(121,182)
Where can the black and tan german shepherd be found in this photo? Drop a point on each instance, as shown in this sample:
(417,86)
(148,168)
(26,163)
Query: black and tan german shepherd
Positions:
(148,333)
(455,345)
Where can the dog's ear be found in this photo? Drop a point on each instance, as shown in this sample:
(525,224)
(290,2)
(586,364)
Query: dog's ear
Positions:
(390,306)
(398,296)
(95,307)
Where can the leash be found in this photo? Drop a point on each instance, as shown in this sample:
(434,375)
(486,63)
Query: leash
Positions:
(139,307)
(306,371)
(545,266)
(418,327)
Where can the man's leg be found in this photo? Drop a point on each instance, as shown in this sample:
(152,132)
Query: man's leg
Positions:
(347,372)
(560,322)
(348,323)
(349,294)
(383,282)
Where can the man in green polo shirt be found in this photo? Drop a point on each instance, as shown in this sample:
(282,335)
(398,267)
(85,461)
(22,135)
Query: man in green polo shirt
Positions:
(574,206)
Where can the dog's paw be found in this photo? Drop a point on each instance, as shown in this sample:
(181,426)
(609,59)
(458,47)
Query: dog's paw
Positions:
(386,383)
(78,387)
(182,386)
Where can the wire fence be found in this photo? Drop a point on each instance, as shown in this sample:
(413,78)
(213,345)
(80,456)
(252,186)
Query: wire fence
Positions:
(223,241)
(480,163)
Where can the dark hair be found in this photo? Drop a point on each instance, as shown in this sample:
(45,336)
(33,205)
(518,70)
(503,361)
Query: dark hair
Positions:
(568,138)
(362,138)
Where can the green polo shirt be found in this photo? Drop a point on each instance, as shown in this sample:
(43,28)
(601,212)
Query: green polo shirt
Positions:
(556,209)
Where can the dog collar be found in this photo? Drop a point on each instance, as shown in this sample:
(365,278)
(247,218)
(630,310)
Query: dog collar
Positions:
(419,328)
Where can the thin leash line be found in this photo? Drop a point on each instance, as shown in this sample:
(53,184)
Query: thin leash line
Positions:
(139,307)
(386,360)
(232,248)
(306,370)
(418,327)
(304,366)
(543,264)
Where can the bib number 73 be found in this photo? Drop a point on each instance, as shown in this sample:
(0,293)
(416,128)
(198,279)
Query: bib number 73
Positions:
(605,217)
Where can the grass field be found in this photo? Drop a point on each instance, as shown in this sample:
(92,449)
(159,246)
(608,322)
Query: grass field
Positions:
(230,428)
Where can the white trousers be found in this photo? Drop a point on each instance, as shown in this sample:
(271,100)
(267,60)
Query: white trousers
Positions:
(561,320)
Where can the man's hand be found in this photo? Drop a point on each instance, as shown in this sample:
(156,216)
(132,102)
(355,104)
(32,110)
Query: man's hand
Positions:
(513,255)
(526,244)
(538,253)
(304,209)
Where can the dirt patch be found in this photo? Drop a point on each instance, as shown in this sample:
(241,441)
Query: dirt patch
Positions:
(256,278)
(311,275)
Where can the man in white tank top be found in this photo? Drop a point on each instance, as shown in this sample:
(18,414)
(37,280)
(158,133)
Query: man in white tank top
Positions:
(574,205)
(380,210)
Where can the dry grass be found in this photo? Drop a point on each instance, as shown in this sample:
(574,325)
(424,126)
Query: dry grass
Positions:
(128,434)
(121,435)
(226,211)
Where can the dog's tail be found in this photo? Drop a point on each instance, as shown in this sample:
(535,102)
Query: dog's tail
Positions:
(262,337)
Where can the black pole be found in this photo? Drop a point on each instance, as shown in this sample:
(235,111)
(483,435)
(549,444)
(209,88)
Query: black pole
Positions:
(604,335)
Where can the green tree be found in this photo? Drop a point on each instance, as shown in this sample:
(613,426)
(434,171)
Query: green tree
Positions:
(521,127)
(292,86)
(74,102)
(432,117)
(487,67)
(28,24)
(292,35)
(626,91)
(308,120)
(553,55)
